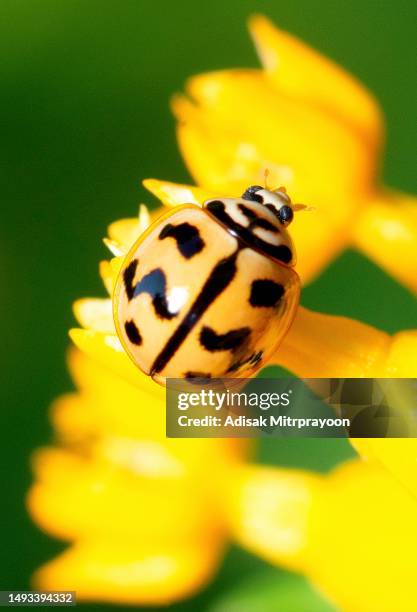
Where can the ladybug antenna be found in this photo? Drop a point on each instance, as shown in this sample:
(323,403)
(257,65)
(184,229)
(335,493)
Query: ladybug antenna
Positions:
(281,189)
(302,207)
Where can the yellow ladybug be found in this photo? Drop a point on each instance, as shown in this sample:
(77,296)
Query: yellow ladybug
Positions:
(209,292)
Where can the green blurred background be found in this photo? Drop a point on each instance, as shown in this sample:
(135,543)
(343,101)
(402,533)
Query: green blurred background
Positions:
(84,91)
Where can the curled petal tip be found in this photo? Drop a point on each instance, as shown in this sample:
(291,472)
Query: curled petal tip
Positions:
(259,25)
(125,231)
(148,181)
(181,107)
(114,247)
(257,18)
(159,189)
(263,32)
(301,71)
(143,214)
(106,275)
(205,87)
(75,333)
(79,335)
(150,184)
(109,271)
(175,194)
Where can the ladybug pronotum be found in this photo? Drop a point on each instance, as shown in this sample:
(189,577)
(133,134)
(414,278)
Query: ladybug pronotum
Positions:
(209,292)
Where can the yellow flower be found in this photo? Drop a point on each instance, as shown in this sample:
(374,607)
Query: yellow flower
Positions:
(352,532)
(318,132)
(146,516)
(142,512)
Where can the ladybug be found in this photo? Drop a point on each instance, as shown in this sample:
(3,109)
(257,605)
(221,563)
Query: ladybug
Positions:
(210,292)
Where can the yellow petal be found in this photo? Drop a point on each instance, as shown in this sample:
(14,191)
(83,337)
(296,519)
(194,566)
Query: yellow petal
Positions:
(109,271)
(96,314)
(396,455)
(78,497)
(107,405)
(214,154)
(145,218)
(243,107)
(301,72)
(386,231)
(401,360)
(124,231)
(175,194)
(127,231)
(242,126)
(110,406)
(71,417)
(106,275)
(107,350)
(269,512)
(318,240)
(128,572)
(341,529)
(366,521)
(319,345)
(144,457)
(114,247)
(93,376)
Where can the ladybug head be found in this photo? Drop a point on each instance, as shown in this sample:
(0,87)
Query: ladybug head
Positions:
(258,219)
(277,201)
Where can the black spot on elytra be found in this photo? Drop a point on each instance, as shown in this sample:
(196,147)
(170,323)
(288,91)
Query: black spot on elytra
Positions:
(197,377)
(133,333)
(187,237)
(230,341)
(128,276)
(265,293)
(154,283)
